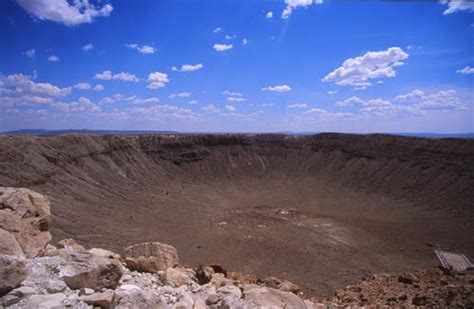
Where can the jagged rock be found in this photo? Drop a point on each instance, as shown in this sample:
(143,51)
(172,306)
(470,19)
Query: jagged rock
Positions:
(269,298)
(8,244)
(12,272)
(282,285)
(85,291)
(176,277)
(45,301)
(55,286)
(17,294)
(94,268)
(103,299)
(408,278)
(150,257)
(212,299)
(419,300)
(243,278)
(218,280)
(50,250)
(200,304)
(130,296)
(203,274)
(230,290)
(70,245)
(26,216)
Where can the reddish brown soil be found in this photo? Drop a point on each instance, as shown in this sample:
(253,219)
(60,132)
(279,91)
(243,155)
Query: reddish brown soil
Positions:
(432,288)
(321,211)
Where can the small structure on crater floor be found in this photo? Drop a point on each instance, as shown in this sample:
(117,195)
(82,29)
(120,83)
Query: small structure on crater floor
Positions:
(457,262)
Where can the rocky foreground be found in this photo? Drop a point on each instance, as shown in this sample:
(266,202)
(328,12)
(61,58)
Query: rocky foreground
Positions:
(36,274)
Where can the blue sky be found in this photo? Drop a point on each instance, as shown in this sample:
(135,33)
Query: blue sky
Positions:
(237,66)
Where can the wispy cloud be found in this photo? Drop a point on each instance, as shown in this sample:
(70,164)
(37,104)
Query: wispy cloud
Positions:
(466,70)
(222,47)
(30,53)
(144,49)
(279,88)
(88,47)
(53,58)
(122,76)
(179,95)
(188,67)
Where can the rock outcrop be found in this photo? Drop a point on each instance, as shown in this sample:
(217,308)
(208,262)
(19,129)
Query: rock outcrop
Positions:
(95,269)
(12,272)
(150,257)
(26,216)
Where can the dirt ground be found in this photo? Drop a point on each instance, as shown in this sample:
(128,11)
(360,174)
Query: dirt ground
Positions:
(320,211)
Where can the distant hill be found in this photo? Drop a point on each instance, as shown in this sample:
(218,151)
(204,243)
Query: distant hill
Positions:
(43,132)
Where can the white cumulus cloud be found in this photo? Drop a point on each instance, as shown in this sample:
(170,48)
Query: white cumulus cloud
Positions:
(82,105)
(230,108)
(157,80)
(66,12)
(269,14)
(458,6)
(357,72)
(293,4)
(87,86)
(53,58)
(466,70)
(25,84)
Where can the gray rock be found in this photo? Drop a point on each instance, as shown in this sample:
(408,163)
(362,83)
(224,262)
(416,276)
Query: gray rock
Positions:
(45,301)
(17,294)
(273,298)
(200,304)
(8,244)
(55,286)
(12,272)
(176,277)
(230,290)
(133,297)
(103,299)
(150,257)
(94,268)
(86,291)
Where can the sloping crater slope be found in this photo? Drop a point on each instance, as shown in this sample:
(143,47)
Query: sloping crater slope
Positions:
(320,210)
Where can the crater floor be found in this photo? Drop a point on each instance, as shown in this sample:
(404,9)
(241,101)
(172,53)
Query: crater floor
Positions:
(321,211)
